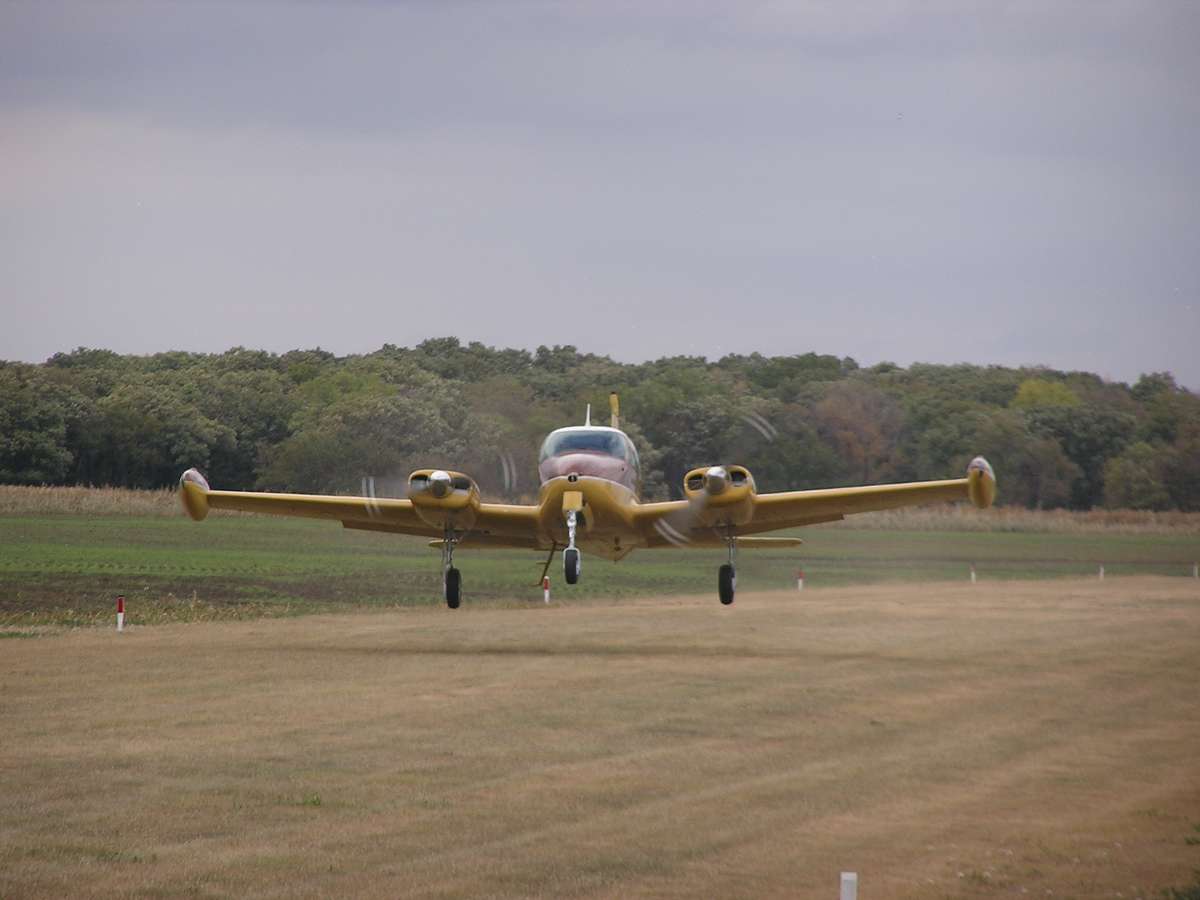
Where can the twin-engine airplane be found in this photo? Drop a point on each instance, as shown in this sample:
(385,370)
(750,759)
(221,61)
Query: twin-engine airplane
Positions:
(590,481)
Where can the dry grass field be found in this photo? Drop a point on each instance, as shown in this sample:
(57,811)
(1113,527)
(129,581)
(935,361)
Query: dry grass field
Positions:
(943,740)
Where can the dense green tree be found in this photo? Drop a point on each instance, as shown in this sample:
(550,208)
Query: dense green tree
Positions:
(1152,385)
(1182,468)
(1031,471)
(782,377)
(36,410)
(863,425)
(1089,436)
(696,433)
(1035,393)
(256,405)
(366,433)
(311,420)
(146,432)
(1135,479)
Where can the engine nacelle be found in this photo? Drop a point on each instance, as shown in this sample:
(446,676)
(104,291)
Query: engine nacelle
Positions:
(721,494)
(444,499)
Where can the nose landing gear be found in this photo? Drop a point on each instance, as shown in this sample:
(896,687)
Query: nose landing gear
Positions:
(571,560)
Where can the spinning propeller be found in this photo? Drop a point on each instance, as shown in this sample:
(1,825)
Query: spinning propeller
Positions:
(715,494)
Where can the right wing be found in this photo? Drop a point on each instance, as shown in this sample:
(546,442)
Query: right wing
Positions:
(391,514)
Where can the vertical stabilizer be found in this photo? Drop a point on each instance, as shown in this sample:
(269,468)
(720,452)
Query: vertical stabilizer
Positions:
(614,404)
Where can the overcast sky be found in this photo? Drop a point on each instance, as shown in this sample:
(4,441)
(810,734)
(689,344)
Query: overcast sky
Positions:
(998,182)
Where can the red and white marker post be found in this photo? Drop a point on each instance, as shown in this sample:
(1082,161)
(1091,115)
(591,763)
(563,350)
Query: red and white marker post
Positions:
(799,579)
(121,613)
(546,588)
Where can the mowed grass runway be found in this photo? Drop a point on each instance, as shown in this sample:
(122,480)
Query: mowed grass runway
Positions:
(942,740)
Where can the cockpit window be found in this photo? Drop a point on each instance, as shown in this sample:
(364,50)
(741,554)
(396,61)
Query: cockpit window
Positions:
(610,443)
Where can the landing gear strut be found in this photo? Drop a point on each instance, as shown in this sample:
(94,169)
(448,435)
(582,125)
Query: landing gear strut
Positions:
(571,561)
(451,578)
(727,574)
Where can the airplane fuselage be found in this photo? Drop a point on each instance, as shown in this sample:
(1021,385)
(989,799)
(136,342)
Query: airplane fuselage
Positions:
(601,465)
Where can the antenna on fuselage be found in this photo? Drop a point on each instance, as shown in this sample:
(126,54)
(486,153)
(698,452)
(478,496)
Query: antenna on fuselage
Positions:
(614,404)
(588,421)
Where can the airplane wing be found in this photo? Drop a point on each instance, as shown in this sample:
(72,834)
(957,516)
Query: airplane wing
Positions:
(684,523)
(497,524)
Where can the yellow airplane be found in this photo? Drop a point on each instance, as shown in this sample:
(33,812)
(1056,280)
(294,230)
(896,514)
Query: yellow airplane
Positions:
(590,482)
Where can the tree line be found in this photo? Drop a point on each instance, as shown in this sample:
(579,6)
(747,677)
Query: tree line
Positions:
(308,420)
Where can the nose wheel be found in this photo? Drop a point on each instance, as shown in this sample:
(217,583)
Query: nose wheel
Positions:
(571,566)
(727,575)
(571,561)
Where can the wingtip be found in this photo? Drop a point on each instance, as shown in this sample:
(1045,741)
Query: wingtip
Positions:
(981,483)
(193,493)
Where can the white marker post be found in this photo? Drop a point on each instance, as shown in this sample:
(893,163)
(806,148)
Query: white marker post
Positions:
(973,573)
(546,589)
(849,886)
(1196,570)
(799,579)
(1101,571)
(121,613)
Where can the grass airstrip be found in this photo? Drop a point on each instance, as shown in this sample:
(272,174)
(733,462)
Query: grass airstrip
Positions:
(1034,734)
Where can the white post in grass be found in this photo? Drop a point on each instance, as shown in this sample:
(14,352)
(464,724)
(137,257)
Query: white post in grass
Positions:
(849,886)
(972,573)
(1196,570)
(1101,571)
(121,613)
(799,579)
(546,589)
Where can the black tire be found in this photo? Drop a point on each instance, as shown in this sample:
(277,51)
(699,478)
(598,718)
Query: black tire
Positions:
(571,566)
(453,588)
(726,583)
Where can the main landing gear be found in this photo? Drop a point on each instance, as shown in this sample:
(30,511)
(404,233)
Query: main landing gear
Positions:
(571,560)
(451,577)
(727,574)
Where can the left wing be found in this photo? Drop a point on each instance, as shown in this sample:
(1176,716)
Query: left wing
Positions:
(705,519)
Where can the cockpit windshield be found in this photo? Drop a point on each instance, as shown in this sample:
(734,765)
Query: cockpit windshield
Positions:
(609,443)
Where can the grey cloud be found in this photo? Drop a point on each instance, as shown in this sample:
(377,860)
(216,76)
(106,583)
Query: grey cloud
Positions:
(860,179)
